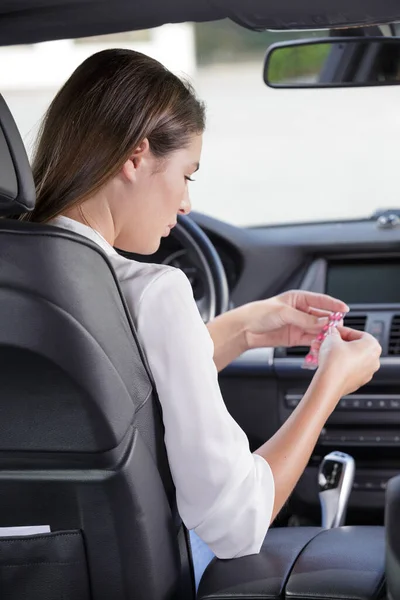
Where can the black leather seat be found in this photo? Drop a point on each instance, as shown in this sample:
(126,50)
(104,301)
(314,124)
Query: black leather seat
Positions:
(81,442)
(81,439)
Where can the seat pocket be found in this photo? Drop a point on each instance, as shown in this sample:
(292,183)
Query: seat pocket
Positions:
(50,566)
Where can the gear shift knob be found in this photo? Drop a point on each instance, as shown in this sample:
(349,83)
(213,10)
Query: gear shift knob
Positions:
(335,481)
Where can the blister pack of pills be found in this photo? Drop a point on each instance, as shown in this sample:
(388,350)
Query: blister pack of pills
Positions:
(311,360)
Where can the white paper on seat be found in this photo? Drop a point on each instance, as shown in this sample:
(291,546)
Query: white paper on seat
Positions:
(24,530)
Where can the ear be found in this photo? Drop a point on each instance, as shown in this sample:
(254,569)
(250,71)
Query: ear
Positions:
(136,160)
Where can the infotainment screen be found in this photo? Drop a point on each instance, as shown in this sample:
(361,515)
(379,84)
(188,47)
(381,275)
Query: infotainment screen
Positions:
(364,282)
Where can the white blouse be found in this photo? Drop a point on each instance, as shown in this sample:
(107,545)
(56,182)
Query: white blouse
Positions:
(224,492)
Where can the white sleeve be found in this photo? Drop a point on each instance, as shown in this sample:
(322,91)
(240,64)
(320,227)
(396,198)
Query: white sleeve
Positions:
(224,492)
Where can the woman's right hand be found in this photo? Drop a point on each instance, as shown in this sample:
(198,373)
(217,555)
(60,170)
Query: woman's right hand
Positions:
(347,360)
(350,357)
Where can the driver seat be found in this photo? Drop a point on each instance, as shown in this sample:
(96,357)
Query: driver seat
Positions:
(82,450)
(81,434)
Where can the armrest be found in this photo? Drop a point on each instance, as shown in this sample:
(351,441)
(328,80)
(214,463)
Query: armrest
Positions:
(347,563)
(342,563)
(261,575)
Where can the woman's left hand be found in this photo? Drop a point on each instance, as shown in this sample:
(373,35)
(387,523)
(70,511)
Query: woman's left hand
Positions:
(291,319)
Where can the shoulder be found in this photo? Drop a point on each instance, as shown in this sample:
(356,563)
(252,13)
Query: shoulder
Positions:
(142,282)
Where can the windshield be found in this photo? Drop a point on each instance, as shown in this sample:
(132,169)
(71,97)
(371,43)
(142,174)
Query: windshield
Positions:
(270,156)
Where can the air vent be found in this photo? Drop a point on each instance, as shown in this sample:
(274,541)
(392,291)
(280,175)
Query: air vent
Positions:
(394,339)
(356,322)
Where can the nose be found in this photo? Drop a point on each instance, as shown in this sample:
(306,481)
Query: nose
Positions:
(185,206)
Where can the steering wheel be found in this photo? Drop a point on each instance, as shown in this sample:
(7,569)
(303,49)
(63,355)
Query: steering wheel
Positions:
(200,252)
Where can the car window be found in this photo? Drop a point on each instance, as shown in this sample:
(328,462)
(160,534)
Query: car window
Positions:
(270,156)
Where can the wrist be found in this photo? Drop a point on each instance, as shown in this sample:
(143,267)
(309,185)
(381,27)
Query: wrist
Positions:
(251,315)
(327,384)
(241,317)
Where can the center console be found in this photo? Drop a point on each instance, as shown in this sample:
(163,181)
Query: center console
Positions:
(367,423)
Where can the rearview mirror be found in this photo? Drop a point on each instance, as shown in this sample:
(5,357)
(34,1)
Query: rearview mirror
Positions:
(333,62)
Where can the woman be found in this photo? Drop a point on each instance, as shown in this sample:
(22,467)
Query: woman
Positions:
(117,148)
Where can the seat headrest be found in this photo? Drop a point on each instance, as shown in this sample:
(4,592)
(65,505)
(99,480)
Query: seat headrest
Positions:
(17,189)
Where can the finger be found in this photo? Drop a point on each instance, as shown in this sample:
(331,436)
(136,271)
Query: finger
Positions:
(307,339)
(309,325)
(303,320)
(307,300)
(318,312)
(331,331)
(350,335)
(323,316)
(320,324)
(311,336)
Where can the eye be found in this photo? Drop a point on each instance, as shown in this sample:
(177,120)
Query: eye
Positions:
(189,178)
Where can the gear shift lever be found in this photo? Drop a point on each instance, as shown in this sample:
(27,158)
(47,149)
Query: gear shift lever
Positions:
(335,481)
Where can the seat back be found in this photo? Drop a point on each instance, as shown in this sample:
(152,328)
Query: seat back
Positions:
(81,436)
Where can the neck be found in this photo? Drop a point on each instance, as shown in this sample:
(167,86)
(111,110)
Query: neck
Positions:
(97,216)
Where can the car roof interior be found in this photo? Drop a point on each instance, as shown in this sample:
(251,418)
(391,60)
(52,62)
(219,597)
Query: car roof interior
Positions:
(29,21)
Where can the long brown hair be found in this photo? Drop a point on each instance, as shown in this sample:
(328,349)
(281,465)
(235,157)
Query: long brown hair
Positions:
(110,104)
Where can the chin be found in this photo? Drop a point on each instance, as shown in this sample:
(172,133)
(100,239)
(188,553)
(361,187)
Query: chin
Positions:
(132,247)
(150,251)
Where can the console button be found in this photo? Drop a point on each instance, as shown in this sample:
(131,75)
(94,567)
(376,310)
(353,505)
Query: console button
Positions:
(352,436)
(371,438)
(394,404)
(356,403)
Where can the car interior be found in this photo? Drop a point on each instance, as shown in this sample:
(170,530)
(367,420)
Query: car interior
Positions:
(81,434)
